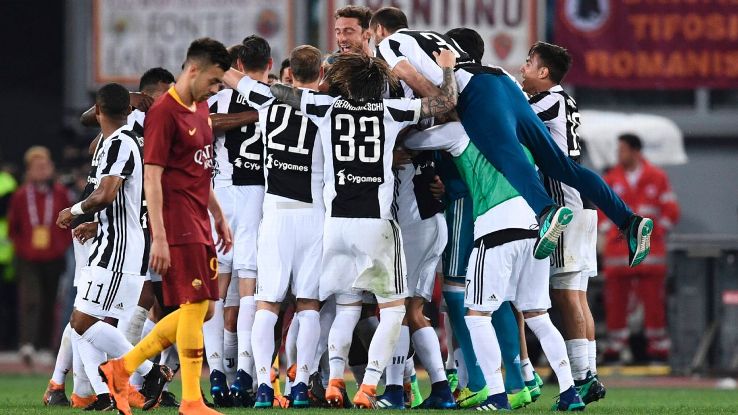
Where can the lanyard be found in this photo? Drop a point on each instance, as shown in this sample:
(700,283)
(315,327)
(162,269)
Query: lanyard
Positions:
(33,209)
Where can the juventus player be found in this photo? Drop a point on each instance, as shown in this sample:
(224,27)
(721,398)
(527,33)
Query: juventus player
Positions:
(501,266)
(362,248)
(238,183)
(575,259)
(488,97)
(110,284)
(292,225)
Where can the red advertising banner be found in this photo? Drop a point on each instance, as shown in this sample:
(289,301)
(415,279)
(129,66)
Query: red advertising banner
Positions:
(650,44)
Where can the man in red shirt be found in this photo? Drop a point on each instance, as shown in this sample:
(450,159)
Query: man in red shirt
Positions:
(646,188)
(39,248)
(178,168)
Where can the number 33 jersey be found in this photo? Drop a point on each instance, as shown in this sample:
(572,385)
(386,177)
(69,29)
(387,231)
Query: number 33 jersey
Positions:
(238,152)
(357,141)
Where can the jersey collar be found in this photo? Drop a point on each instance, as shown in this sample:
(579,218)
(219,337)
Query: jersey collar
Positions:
(556,88)
(175,95)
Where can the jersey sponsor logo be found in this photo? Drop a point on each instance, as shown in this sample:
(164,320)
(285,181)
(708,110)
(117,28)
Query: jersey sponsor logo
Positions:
(272,163)
(204,157)
(249,165)
(356,179)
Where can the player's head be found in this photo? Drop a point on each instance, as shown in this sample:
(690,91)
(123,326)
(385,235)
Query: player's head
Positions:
(234,51)
(386,21)
(155,82)
(545,66)
(112,102)
(206,62)
(255,58)
(306,65)
(629,150)
(359,78)
(352,29)
(469,40)
(285,74)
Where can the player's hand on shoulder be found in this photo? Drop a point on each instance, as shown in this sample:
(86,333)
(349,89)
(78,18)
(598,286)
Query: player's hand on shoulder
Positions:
(85,231)
(141,102)
(159,259)
(445,58)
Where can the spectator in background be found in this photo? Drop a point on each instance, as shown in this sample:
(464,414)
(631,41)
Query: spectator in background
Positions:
(39,247)
(646,189)
(285,73)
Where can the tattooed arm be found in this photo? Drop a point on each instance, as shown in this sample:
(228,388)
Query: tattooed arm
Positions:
(432,106)
(287,94)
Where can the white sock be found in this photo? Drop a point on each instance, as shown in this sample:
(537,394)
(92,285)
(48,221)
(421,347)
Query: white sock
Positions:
(63,357)
(112,342)
(147,327)
(327,315)
(578,352)
(82,386)
(170,358)
(527,368)
(230,353)
(461,370)
(409,366)
(592,354)
(383,343)
(245,322)
(212,331)
(262,344)
(450,361)
(339,338)
(553,347)
(135,325)
(487,349)
(396,365)
(365,329)
(428,350)
(290,341)
(92,357)
(307,340)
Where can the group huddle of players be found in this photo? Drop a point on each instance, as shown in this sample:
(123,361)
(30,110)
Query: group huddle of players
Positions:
(333,196)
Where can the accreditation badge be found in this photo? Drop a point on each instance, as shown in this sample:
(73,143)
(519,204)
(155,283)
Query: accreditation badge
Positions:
(41,237)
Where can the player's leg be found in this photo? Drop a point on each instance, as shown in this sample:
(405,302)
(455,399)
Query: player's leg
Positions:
(393,396)
(565,296)
(55,394)
(348,311)
(230,336)
(506,327)
(213,335)
(82,394)
(139,313)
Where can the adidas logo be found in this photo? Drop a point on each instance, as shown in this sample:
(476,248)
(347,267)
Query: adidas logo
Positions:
(332,348)
(492,297)
(304,368)
(119,306)
(499,370)
(245,353)
(262,371)
(374,363)
(215,356)
(564,363)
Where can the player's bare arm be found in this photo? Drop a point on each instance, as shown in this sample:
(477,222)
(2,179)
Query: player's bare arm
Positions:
(98,200)
(287,94)
(140,101)
(227,122)
(420,85)
(431,106)
(225,235)
(159,259)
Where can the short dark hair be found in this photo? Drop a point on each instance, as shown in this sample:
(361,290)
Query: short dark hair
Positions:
(553,57)
(153,77)
(234,51)
(391,18)
(631,140)
(113,100)
(255,54)
(469,40)
(361,13)
(359,78)
(285,65)
(305,63)
(210,51)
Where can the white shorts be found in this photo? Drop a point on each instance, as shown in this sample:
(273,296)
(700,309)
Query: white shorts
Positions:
(574,281)
(289,254)
(102,293)
(577,249)
(152,276)
(242,206)
(507,272)
(81,256)
(363,255)
(423,243)
(233,297)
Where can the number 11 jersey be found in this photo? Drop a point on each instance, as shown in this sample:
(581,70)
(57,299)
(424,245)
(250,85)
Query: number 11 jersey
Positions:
(357,141)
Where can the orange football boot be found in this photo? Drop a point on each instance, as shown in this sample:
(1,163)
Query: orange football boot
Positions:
(196,408)
(334,392)
(366,397)
(114,374)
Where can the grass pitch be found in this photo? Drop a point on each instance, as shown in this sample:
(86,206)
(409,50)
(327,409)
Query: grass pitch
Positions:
(22,395)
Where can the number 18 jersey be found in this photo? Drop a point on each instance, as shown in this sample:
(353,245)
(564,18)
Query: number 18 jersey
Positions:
(357,142)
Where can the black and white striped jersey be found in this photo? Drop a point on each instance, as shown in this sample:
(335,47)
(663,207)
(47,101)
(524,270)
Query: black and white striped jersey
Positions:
(136,121)
(293,160)
(417,47)
(357,142)
(238,152)
(559,113)
(414,200)
(120,245)
(89,187)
